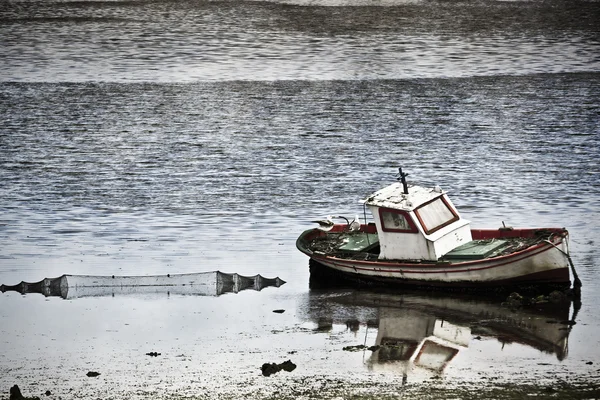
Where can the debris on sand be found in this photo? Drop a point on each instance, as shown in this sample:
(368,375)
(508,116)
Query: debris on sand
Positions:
(355,348)
(516,300)
(279,311)
(92,374)
(15,394)
(363,347)
(272,368)
(153,354)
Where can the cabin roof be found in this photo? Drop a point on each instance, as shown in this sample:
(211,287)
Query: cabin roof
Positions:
(393,196)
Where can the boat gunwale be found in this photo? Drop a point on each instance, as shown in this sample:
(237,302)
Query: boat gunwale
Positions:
(558,234)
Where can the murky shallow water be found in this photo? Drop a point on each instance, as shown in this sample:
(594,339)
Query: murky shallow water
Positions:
(134,145)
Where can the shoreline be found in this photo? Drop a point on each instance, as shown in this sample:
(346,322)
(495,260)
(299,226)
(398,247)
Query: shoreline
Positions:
(580,387)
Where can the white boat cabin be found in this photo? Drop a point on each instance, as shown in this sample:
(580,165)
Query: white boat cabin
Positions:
(422,224)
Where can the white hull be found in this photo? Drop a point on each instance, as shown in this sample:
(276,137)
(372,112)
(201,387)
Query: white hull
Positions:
(545,262)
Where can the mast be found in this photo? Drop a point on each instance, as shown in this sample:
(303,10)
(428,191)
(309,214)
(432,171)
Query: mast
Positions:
(402,178)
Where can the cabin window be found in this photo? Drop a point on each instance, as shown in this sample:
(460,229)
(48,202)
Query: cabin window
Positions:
(396,221)
(436,214)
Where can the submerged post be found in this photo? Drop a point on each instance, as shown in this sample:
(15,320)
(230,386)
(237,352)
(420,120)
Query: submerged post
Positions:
(402,178)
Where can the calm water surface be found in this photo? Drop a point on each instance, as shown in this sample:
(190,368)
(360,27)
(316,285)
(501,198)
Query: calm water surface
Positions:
(163,137)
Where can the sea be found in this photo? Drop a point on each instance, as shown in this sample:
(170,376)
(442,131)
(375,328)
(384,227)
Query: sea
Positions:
(149,137)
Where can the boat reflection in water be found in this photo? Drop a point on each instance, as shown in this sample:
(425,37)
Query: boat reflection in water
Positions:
(424,331)
(212,283)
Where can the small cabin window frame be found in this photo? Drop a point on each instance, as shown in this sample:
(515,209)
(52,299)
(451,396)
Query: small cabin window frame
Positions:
(413,227)
(454,218)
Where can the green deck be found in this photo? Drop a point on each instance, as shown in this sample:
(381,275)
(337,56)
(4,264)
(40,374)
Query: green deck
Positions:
(359,242)
(476,250)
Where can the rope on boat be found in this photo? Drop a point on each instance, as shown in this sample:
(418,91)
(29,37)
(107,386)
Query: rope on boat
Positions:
(576,281)
(365,215)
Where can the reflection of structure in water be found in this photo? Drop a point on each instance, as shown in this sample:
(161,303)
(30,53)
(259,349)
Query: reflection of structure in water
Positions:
(409,337)
(420,331)
(212,283)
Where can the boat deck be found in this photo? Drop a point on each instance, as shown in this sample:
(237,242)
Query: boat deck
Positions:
(365,246)
(348,243)
(477,250)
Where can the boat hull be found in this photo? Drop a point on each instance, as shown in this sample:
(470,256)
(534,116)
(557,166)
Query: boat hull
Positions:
(540,264)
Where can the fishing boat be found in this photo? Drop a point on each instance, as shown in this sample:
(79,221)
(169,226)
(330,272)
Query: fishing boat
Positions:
(418,237)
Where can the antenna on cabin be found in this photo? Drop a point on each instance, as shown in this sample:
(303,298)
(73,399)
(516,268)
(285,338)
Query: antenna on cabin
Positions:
(402,178)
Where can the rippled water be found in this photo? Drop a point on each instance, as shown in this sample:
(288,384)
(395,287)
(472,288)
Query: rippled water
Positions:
(172,137)
(190,40)
(149,165)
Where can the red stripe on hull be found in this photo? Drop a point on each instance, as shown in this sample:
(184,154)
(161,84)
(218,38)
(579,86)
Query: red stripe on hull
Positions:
(400,267)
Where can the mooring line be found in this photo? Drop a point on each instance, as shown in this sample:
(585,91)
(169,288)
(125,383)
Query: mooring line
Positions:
(576,281)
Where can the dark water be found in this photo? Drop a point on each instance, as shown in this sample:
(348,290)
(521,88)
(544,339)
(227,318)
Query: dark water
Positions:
(173,137)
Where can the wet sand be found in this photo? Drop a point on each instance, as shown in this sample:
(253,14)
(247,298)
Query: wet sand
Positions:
(345,343)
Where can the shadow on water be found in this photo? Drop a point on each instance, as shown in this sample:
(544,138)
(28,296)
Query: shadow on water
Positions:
(424,330)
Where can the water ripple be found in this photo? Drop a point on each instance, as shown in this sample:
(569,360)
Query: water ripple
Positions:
(206,41)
